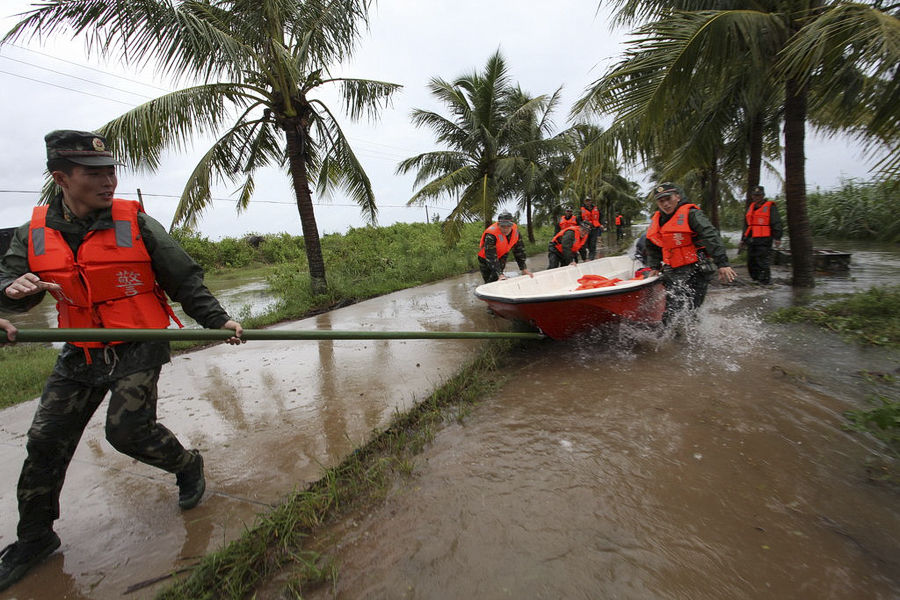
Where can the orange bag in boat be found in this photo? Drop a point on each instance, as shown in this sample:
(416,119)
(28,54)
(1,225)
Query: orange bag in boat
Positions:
(590,282)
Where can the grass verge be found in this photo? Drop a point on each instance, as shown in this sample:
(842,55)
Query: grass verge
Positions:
(25,367)
(871,317)
(276,540)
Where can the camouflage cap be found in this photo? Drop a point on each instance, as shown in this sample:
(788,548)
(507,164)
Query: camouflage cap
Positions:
(80,147)
(758,189)
(665,189)
(505,218)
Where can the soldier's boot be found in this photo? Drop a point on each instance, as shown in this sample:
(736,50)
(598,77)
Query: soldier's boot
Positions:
(17,558)
(191,482)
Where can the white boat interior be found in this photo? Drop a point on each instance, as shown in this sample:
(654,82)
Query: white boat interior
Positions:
(563,281)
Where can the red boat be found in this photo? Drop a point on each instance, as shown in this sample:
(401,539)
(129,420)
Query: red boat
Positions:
(568,300)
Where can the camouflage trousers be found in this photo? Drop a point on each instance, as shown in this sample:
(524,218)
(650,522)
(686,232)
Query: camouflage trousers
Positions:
(685,291)
(64,410)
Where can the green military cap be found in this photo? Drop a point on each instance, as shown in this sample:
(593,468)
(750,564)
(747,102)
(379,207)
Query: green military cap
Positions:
(665,189)
(758,189)
(80,147)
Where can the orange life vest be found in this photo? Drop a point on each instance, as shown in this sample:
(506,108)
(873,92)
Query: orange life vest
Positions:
(504,244)
(109,284)
(759,220)
(618,219)
(674,237)
(568,221)
(591,215)
(579,239)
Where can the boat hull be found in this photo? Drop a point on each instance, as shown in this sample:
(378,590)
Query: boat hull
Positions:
(551,302)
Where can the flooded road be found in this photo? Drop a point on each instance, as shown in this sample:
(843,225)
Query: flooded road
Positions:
(268,417)
(623,465)
(710,465)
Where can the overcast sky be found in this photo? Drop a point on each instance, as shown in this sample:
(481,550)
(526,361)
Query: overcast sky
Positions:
(54,86)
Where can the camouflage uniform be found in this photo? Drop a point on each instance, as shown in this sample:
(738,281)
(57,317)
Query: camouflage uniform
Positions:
(492,266)
(759,249)
(686,286)
(128,371)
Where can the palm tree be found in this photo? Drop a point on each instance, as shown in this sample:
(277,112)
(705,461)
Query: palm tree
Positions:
(483,133)
(258,63)
(723,42)
(544,160)
(596,171)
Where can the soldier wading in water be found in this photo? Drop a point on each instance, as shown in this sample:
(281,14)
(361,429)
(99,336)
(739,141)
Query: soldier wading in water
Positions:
(685,247)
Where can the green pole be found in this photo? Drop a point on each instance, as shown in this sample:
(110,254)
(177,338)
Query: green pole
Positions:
(144,335)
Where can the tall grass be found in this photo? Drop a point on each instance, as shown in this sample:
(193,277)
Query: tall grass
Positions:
(857,210)
(369,261)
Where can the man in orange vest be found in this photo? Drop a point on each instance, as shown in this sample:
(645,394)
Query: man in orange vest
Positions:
(108,264)
(620,227)
(763,225)
(685,247)
(496,243)
(567,220)
(563,248)
(591,214)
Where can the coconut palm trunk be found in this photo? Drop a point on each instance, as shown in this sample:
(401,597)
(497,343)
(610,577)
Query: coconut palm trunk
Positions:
(294,137)
(754,164)
(795,184)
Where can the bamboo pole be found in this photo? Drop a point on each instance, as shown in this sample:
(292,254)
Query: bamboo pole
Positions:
(144,335)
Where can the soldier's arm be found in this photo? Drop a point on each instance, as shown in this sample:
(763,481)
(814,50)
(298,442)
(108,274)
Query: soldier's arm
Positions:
(568,240)
(708,237)
(13,265)
(775,223)
(519,254)
(490,253)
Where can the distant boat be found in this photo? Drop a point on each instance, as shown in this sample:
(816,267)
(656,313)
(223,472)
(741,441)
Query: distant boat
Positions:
(552,302)
(823,259)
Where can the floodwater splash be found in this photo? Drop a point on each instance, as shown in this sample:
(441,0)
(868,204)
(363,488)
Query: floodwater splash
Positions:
(718,336)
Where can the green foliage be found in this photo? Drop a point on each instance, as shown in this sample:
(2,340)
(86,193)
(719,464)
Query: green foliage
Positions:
(870,317)
(370,261)
(234,253)
(490,142)
(857,210)
(282,248)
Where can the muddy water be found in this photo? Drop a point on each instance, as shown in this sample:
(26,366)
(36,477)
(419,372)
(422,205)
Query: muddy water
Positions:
(629,465)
